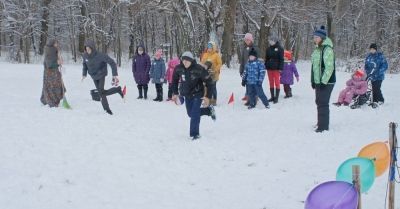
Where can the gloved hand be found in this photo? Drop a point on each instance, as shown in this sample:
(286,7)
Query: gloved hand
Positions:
(297,79)
(243,83)
(313,85)
(115,81)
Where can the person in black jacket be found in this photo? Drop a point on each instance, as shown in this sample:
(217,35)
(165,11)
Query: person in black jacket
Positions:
(95,63)
(193,77)
(274,63)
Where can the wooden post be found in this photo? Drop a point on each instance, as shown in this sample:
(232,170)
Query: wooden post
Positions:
(356,182)
(393,146)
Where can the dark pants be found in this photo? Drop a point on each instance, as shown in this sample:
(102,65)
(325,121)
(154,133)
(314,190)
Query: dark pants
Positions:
(170,90)
(214,91)
(286,88)
(142,87)
(104,93)
(256,90)
(194,111)
(159,90)
(322,96)
(376,91)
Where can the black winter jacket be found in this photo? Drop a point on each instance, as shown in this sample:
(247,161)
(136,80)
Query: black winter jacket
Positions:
(96,63)
(192,81)
(274,57)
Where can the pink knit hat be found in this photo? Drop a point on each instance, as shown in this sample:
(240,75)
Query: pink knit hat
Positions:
(158,53)
(249,37)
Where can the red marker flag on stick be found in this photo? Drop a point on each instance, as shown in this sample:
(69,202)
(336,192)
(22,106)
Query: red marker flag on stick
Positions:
(231,99)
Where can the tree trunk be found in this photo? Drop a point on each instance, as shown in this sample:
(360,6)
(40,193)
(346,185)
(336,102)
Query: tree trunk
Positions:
(398,26)
(145,31)
(329,22)
(119,47)
(26,46)
(153,32)
(82,33)
(380,23)
(264,32)
(72,35)
(229,29)
(286,34)
(44,26)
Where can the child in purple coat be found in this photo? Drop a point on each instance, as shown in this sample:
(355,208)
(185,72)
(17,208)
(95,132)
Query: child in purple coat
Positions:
(357,85)
(289,69)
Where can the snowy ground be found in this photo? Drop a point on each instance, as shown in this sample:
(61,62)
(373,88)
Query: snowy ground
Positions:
(141,156)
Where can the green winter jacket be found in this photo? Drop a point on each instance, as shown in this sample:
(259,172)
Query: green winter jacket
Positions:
(323,71)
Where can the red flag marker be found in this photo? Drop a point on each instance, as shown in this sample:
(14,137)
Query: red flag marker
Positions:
(231,99)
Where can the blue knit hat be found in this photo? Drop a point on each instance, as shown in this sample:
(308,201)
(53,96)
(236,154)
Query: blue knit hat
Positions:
(321,32)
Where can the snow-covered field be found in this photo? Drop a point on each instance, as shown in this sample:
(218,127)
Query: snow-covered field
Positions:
(141,156)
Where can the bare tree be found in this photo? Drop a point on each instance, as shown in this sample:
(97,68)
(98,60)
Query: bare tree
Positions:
(229,29)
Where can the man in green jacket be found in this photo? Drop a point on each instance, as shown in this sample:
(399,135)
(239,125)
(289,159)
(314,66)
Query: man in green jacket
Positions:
(323,76)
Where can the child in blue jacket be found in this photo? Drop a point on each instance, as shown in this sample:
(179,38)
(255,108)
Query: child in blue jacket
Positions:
(253,77)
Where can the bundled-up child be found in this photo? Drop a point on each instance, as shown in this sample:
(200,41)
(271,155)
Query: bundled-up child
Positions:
(357,85)
(157,74)
(289,69)
(253,77)
(169,75)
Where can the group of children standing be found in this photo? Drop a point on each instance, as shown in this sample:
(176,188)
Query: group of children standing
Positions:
(280,68)
(144,70)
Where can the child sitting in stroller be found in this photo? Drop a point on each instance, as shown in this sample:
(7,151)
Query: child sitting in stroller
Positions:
(357,85)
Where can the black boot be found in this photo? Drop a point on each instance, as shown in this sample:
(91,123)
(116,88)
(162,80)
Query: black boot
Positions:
(109,111)
(272,90)
(160,99)
(140,89)
(290,93)
(145,87)
(286,90)
(158,95)
(276,96)
(120,92)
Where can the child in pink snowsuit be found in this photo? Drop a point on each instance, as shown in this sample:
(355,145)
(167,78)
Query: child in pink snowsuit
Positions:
(170,72)
(357,85)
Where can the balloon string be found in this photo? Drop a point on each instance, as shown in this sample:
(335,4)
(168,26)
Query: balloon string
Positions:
(375,153)
(342,197)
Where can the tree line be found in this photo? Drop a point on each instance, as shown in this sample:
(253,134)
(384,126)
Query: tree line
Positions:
(119,26)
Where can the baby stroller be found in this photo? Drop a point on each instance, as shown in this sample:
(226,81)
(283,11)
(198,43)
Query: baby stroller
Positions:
(366,98)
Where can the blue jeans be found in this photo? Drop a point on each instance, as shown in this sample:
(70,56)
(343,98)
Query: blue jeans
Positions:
(256,90)
(194,111)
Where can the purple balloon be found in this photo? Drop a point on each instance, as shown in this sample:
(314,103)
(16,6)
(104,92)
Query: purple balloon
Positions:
(332,195)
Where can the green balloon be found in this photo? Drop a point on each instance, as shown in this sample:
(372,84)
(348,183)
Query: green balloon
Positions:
(367,172)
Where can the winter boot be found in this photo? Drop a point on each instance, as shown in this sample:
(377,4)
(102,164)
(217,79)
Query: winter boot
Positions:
(140,89)
(109,111)
(120,92)
(272,90)
(290,92)
(158,95)
(146,88)
(160,98)
(276,96)
(286,90)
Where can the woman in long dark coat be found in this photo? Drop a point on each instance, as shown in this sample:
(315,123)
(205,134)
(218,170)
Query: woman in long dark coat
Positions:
(141,68)
(53,87)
